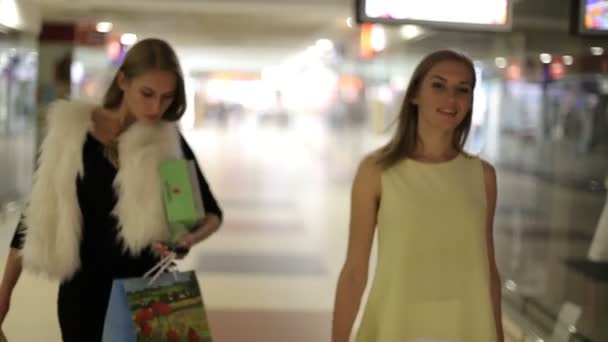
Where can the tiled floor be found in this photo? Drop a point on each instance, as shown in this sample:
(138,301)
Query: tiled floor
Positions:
(270,273)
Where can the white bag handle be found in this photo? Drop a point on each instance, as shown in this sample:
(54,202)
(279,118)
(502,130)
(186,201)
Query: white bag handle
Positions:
(162,265)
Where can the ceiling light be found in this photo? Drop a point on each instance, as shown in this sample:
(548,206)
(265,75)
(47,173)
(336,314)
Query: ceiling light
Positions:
(410,31)
(104,27)
(545,58)
(500,62)
(597,51)
(325,44)
(350,22)
(128,39)
(378,38)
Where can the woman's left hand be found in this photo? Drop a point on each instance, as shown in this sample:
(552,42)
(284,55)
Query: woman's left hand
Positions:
(161,249)
(208,226)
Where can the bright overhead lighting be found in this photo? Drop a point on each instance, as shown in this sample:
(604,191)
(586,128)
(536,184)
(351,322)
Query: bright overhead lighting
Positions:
(597,51)
(545,58)
(568,60)
(325,44)
(128,39)
(410,31)
(104,27)
(378,38)
(350,22)
(500,62)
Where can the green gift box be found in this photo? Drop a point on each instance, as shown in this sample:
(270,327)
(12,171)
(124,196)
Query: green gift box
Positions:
(182,196)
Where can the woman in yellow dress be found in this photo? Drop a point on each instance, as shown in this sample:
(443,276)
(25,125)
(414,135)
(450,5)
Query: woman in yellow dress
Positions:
(433,205)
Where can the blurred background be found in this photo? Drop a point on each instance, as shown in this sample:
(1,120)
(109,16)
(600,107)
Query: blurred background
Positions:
(284,99)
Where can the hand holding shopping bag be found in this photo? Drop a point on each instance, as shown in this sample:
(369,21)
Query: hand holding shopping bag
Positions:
(160,306)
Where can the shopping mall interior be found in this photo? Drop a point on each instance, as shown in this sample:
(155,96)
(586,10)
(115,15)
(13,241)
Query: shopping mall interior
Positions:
(284,100)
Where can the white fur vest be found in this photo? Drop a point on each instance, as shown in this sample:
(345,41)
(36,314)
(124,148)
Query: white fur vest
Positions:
(53,218)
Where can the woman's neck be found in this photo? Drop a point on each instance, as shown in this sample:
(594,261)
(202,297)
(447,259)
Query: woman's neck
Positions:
(109,124)
(125,118)
(434,145)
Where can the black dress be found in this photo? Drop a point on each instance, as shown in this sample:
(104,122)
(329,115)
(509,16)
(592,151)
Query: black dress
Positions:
(82,300)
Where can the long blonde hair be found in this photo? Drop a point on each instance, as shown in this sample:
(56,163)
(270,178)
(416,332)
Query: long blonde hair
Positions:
(403,142)
(146,55)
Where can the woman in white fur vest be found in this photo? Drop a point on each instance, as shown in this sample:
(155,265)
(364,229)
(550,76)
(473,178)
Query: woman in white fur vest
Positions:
(96,212)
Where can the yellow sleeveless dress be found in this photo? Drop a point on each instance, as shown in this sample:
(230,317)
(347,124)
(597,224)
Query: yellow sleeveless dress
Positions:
(432,278)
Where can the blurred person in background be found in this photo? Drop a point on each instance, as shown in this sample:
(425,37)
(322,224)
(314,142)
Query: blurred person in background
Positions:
(58,88)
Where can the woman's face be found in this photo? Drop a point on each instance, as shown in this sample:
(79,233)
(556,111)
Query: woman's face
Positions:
(445,96)
(148,96)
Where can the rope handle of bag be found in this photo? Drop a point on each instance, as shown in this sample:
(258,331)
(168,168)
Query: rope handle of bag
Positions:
(161,267)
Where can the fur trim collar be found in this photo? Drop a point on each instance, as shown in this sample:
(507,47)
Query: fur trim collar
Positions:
(53,217)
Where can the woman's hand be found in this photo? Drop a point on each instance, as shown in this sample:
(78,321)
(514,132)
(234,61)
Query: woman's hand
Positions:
(161,249)
(208,226)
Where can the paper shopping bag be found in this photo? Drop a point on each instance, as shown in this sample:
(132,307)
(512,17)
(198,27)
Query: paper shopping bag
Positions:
(171,309)
(182,196)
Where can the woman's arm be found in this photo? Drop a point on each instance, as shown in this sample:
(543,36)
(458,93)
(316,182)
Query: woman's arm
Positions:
(213,213)
(365,199)
(495,283)
(12,270)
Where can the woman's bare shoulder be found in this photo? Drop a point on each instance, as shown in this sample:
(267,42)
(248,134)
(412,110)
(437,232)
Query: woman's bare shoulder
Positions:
(370,164)
(489,170)
(369,175)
